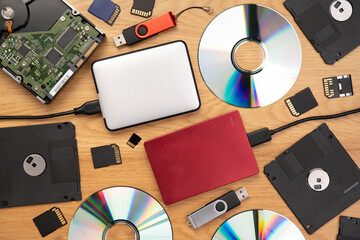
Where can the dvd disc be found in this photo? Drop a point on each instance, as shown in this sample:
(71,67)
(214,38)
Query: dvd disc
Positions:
(258,225)
(281,56)
(120,205)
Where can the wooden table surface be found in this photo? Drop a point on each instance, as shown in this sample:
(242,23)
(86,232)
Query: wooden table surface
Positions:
(16,223)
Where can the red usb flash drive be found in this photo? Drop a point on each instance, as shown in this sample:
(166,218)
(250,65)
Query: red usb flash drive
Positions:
(155,25)
(146,29)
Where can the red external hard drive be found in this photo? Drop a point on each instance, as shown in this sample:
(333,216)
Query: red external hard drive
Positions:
(201,157)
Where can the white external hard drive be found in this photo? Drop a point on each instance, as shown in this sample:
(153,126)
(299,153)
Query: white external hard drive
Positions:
(146,85)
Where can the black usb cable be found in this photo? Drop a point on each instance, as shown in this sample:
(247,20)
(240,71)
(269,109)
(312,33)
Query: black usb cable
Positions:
(88,108)
(264,134)
(255,138)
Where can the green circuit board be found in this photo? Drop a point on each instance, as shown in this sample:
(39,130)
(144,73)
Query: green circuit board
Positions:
(39,60)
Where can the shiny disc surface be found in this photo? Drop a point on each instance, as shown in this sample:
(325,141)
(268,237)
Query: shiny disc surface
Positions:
(120,205)
(258,225)
(279,69)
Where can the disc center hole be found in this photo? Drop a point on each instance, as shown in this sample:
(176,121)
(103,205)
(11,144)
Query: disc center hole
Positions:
(121,231)
(249,56)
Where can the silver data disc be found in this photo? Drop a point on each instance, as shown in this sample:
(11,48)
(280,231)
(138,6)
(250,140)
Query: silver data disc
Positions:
(278,71)
(258,224)
(120,205)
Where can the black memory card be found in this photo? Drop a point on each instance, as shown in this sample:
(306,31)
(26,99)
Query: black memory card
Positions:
(143,8)
(107,155)
(49,221)
(301,102)
(340,86)
(134,140)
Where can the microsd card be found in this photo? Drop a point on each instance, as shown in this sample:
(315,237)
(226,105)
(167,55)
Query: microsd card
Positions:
(301,102)
(340,86)
(143,8)
(107,155)
(134,140)
(49,221)
(106,10)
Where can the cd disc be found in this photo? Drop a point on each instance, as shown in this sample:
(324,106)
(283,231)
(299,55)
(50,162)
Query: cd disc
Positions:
(120,205)
(258,224)
(280,63)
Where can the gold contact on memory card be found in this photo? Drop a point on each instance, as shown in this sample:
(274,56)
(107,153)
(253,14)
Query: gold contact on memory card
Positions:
(327,83)
(141,13)
(292,108)
(117,153)
(143,8)
(59,215)
(114,15)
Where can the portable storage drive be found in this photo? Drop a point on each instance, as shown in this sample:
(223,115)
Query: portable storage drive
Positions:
(146,85)
(201,157)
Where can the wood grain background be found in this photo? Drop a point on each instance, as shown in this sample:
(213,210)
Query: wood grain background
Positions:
(16,223)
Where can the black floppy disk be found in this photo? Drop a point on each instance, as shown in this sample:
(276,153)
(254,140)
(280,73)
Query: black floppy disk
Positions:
(349,228)
(38,164)
(330,25)
(316,177)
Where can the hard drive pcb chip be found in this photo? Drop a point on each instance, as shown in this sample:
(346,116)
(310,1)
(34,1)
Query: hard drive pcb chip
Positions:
(53,56)
(49,221)
(340,86)
(67,38)
(301,102)
(23,50)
